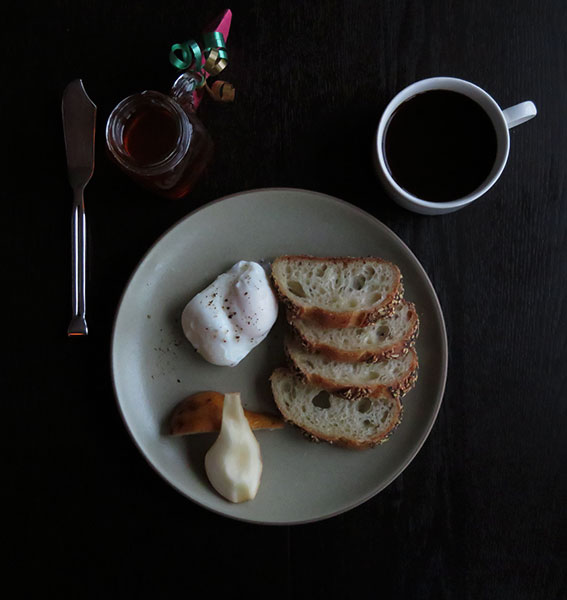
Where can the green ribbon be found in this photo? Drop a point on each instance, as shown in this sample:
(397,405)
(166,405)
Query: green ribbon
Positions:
(188,56)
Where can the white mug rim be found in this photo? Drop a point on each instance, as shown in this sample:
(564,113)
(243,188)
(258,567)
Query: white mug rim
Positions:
(500,125)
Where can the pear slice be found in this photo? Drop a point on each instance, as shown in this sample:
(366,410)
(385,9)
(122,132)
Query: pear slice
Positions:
(234,463)
(202,413)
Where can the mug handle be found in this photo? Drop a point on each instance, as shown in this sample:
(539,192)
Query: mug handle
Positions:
(519,113)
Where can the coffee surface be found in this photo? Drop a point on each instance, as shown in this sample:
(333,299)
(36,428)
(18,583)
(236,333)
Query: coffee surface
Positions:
(440,145)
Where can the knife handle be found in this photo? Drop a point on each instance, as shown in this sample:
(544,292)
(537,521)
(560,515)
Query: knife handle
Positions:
(78,324)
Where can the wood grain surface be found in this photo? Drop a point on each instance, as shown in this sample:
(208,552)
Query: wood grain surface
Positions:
(480,513)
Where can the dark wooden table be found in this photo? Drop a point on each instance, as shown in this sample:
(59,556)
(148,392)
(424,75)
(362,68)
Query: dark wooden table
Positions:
(480,512)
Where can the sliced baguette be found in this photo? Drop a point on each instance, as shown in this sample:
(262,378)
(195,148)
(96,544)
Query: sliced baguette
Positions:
(353,380)
(337,292)
(323,416)
(389,337)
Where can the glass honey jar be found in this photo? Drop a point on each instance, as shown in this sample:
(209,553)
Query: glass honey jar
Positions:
(158,140)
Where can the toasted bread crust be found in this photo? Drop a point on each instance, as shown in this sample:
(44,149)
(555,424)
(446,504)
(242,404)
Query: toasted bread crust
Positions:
(339,320)
(353,392)
(396,350)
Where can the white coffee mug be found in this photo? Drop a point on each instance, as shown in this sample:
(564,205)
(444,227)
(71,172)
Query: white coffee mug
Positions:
(503,120)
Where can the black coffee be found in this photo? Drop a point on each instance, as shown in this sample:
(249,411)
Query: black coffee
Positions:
(440,145)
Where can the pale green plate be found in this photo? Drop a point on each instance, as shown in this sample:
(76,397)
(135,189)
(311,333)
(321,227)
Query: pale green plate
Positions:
(154,366)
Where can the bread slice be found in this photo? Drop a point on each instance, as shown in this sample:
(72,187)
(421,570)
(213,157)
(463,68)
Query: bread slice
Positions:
(323,416)
(389,337)
(353,380)
(337,292)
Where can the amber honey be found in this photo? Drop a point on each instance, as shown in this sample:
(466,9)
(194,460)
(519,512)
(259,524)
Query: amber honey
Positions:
(151,135)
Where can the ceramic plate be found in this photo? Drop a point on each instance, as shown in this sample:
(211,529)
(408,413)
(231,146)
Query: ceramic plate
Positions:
(154,366)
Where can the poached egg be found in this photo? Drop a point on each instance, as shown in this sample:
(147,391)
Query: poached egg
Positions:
(232,315)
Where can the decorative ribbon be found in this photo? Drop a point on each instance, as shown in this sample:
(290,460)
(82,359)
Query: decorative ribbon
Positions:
(188,56)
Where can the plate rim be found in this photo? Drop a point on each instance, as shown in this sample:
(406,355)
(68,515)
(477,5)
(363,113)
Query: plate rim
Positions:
(444,366)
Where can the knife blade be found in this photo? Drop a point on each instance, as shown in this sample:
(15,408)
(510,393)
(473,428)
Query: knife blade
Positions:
(79,121)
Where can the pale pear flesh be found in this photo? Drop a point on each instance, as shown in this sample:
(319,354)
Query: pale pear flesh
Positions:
(234,462)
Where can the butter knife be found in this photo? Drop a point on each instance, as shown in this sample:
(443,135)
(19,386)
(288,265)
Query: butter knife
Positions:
(79,117)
